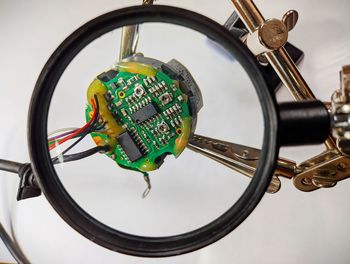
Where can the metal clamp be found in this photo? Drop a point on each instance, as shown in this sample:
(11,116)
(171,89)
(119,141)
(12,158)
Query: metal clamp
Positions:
(266,40)
(240,158)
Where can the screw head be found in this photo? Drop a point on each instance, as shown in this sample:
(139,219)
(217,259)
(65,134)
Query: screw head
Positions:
(273,34)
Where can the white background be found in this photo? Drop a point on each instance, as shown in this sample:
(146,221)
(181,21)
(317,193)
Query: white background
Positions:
(288,227)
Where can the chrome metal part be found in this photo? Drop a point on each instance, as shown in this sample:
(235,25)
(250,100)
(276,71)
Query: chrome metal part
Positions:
(130,37)
(266,39)
(129,41)
(290,19)
(273,34)
(328,168)
(322,171)
(341,112)
(240,158)
(249,13)
(278,57)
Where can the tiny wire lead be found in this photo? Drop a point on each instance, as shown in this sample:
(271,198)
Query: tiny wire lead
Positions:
(149,186)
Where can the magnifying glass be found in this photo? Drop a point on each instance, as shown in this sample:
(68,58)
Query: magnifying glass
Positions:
(102,129)
(99,197)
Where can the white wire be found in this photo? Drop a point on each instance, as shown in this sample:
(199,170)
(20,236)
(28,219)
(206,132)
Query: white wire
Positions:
(62,130)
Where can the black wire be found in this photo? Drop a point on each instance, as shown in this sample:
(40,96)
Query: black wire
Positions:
(12,247)
(15,167)
(84,133)
(81,155)
(54,160)
(97,116)
(101,126)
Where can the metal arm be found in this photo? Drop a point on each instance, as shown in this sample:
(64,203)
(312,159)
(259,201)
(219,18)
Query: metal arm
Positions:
(130,38)
(240,158)
(129,41)
(266,39)
(270,36)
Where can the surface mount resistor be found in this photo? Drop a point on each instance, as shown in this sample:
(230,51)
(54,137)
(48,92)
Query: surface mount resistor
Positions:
(113,85)
(108,96)
(111,107)
(124,113)
(151,79)
(121,82)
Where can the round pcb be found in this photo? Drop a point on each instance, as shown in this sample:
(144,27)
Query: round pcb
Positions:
(145,114)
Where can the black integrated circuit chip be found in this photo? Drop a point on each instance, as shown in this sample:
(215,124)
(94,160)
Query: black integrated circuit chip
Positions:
(129,146)
(144,113)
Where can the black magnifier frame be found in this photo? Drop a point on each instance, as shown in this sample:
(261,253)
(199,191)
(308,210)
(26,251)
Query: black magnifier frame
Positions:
(63,203)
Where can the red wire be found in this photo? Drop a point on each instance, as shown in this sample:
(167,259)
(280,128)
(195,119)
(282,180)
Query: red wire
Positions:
(87,125)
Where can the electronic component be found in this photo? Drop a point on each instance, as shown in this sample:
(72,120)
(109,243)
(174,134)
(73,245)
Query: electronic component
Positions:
(123,111)
(109,97)
(139,91)
(147,113)
(144,113)
(163,127)
(129,146)
(165,98)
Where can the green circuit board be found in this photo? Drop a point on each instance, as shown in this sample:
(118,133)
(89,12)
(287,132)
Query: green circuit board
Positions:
(145,112)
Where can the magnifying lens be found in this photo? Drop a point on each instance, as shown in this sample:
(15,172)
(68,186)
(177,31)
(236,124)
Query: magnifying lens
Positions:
(134,116)
(116,144)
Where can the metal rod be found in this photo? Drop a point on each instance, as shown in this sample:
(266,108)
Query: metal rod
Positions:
(130,37)
(286,168)
(236,165)
(241,158)
(129,41)
(249,13)
(289,74)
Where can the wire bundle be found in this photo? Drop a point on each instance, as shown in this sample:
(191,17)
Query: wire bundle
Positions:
(54,141)
(80,133)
